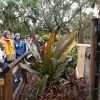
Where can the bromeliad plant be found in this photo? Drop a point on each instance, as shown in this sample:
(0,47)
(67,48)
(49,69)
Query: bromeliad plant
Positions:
(52,63)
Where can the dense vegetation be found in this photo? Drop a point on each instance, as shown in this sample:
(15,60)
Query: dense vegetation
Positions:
(45,16)
(59,20)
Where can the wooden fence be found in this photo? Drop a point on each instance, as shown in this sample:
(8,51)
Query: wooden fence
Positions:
(6,80)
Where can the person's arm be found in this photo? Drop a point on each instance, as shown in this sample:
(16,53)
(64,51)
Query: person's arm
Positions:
(24,47)
(14,50)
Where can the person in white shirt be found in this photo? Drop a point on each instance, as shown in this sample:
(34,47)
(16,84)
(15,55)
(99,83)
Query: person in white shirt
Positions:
(3,64)
(30,46)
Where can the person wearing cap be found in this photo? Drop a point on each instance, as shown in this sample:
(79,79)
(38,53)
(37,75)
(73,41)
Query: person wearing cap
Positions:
(8,46)
(19,44)
(19,51)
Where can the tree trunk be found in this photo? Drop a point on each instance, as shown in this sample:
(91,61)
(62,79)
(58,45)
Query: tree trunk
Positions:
(80,36)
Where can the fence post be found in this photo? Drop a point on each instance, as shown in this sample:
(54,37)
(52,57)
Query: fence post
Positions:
(92,60)
(1,89)
(8,88)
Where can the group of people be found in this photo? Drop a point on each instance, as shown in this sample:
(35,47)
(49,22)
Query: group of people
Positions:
(12,47)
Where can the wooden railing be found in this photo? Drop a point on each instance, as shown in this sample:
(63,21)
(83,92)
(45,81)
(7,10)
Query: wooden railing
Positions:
(6,80)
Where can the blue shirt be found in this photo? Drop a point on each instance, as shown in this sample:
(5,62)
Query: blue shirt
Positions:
(20,47)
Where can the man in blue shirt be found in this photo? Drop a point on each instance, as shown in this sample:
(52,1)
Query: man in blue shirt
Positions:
(20,47)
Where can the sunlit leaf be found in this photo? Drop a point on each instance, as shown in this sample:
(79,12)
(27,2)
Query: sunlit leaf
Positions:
(63,43)
(47,49)
(70,47)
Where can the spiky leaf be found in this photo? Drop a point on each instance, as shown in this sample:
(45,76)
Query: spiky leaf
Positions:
(47,49)
(59,71)
(70,47)
(52,66)
(63,43)
(42,86)
(27,68)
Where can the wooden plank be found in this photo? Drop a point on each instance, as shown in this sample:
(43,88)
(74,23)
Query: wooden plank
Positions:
(14,63)
(92,60)
(1,82)
(18,90)
(8,88)
(84,45)
(81,62)
(1,93)
(15,69)
(19,93)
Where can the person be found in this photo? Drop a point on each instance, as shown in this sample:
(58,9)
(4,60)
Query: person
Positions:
(12,35)
(3,65)
(19,44)
(30,46)
(20,49)
(8,46)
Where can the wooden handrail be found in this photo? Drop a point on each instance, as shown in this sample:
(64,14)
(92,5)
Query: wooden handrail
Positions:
(13,64)
(7,75)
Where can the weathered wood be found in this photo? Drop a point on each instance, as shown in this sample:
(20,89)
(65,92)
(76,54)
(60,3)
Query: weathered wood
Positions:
(80,69)
(92,60)
(14,63)
(1,81)
(6,91)
(84,45)
(8,88)
(1,93)
(18,90)
(81,62)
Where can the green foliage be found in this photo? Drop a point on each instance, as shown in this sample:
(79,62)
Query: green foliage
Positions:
(45,17)
(51,66)
(46,36)
(42,86)
(62,44)
(17,14)
(70,68)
